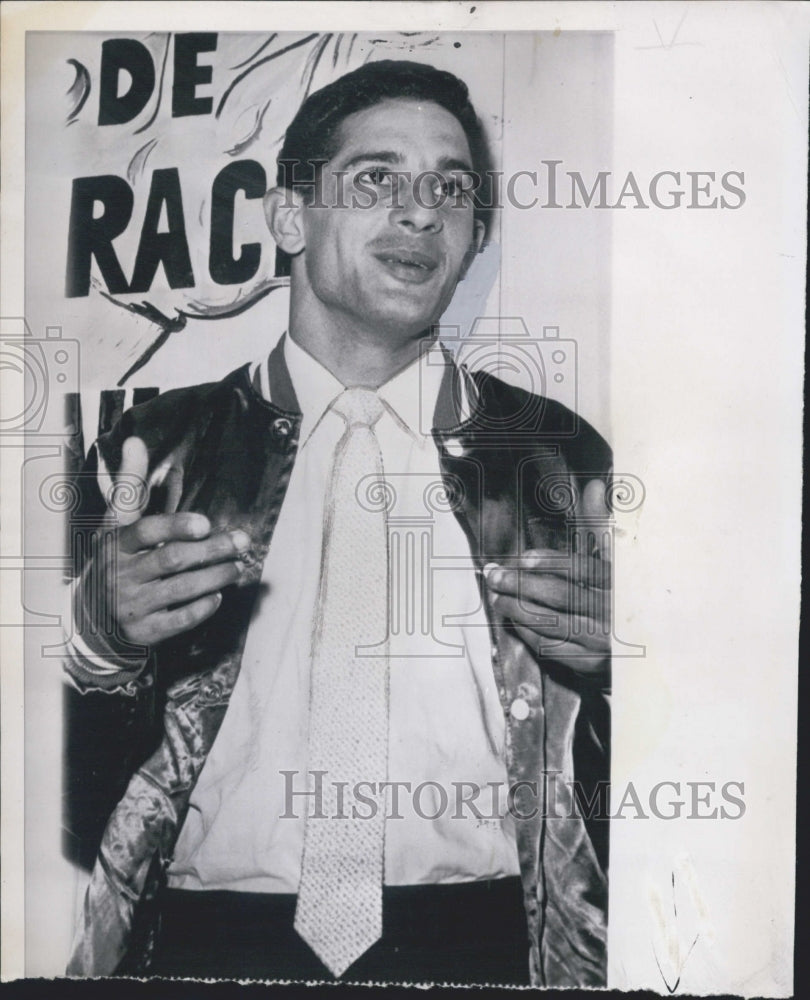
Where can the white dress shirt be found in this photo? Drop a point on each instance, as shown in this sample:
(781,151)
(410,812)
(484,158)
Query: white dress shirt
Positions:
(446,724)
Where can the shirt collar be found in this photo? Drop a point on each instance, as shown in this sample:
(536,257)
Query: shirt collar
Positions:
(316,388)
(410,396)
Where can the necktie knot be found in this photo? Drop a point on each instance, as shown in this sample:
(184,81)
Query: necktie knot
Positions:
(359,406)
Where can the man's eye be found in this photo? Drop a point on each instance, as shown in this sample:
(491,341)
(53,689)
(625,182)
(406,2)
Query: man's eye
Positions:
(455,189)
(464,185)
(377,176)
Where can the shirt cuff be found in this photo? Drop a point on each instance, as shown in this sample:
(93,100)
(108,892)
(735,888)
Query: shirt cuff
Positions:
(96,661)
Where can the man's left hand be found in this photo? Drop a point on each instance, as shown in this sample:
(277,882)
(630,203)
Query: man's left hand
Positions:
(559,602)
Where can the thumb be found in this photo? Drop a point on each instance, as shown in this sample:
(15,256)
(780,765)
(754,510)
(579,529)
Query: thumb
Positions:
(129,496)
(594,504)
(594,513)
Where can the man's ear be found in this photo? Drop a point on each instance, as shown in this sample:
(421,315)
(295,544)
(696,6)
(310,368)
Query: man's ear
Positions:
(283,209)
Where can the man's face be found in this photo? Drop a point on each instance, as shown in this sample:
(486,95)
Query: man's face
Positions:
(381,254)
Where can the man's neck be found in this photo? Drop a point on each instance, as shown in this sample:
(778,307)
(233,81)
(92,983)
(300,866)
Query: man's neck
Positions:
(356,357)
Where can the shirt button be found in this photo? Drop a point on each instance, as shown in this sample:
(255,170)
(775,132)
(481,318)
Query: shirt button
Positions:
(281,428)
(519,709)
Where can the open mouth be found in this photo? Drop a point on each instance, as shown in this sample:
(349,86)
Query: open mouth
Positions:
(408,265)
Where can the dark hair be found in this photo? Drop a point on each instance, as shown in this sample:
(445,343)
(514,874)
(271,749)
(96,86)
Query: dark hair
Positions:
(312,136)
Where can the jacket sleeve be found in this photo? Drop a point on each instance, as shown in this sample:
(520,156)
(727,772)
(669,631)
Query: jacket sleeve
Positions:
(590,457)
(109,698)
(96,657)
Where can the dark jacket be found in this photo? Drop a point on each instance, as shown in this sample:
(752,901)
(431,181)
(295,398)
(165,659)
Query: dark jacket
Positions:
(134,754)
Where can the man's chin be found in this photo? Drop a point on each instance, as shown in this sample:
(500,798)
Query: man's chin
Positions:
(405,323)
(407,330)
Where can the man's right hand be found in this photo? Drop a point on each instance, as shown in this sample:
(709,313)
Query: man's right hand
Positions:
(163,574)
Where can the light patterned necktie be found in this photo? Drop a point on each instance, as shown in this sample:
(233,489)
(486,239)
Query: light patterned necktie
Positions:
(339,908)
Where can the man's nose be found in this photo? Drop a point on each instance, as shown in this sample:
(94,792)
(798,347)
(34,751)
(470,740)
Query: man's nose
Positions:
(416,207)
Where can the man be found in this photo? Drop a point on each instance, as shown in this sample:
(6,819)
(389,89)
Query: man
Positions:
(310,806)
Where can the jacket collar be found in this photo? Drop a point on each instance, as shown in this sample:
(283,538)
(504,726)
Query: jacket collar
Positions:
(456,400)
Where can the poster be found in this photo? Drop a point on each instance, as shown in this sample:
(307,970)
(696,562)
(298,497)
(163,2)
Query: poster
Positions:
(651,236)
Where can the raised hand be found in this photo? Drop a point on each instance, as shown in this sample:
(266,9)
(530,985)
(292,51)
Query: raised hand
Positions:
(163,574)
(560,602)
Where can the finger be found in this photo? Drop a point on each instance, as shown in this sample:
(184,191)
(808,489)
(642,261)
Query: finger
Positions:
(592,536)
(165,624)
(177,557)
(586,662)
(129,496)
(593,504)
(577,569)
(157,529)
(591,630)
(186,587)
(531,586)
(556,592)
